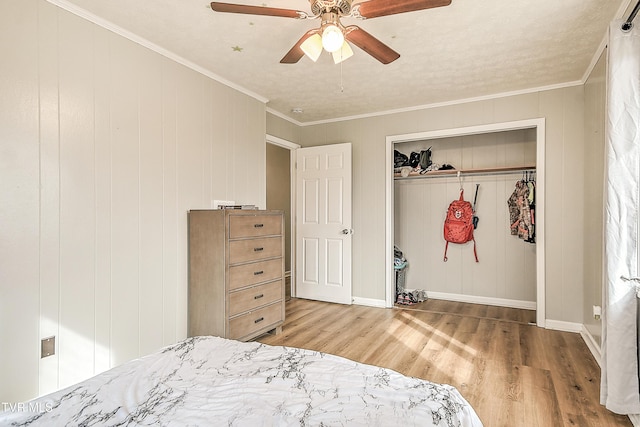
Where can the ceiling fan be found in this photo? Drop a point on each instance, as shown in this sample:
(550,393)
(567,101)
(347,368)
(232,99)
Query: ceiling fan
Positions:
(332,35)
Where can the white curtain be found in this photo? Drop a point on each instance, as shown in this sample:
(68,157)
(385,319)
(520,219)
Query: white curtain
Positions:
(620,391)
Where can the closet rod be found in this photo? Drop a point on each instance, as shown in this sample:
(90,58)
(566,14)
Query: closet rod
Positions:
(629,23)
(496,172)
(463,172)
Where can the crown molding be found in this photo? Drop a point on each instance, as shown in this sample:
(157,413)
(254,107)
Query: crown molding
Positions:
(101,22)
(435,105)
(620,14)
(283,116)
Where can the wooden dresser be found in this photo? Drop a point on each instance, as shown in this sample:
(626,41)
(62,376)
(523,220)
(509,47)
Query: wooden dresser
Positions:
(236,273)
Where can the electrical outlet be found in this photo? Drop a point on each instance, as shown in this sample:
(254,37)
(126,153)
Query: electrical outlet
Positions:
(47,347)
(597,312)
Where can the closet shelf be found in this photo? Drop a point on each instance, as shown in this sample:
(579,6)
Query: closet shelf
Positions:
(475,171)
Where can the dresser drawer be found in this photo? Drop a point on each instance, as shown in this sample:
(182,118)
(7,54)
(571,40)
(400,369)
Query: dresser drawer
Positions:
(256,272)
(254,249)
(249,299)
(246,324)
(254,225)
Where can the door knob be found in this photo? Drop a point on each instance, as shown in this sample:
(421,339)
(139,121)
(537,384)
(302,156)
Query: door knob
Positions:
(347,231)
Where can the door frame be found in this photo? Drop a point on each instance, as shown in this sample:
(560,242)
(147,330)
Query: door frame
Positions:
(539,126)
(292,147)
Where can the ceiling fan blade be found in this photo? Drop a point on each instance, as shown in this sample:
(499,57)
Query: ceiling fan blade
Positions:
(256,10)
(376,8)
(370,44)
(295,53)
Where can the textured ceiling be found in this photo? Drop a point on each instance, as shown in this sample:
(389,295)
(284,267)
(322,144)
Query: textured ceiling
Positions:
(469,49)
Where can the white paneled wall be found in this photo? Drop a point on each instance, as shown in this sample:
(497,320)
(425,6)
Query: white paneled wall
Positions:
(104,147)
(506,273)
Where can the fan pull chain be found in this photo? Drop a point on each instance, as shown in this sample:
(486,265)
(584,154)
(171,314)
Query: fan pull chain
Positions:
(341,85)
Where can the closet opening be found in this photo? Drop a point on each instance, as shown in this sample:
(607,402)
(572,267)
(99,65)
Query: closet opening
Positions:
(498,160)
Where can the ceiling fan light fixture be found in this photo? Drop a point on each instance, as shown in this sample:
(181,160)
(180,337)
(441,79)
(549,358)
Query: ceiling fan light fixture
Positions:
(345,52)
(332,38)
(312,47)
(333,32)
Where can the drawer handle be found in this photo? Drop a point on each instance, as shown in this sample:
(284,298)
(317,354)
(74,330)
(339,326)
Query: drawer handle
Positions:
(257,273)
(258,296)
(258,225)
(258,320)
(258,249)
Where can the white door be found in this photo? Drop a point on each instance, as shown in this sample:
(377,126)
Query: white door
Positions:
(323,223)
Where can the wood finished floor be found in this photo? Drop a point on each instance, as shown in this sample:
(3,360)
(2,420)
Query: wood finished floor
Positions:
(513,373)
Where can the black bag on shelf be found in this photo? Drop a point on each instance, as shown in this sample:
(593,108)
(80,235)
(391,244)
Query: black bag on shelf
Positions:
(414,159)
(399,159)
(425,158)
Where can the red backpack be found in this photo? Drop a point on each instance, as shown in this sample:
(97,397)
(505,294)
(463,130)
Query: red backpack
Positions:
(458,225)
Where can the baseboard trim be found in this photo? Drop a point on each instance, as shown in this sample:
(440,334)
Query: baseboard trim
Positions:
(526,305)
(591,343)
(559,325)
(369,302)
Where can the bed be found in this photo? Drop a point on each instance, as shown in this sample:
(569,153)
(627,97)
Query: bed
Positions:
(214,381)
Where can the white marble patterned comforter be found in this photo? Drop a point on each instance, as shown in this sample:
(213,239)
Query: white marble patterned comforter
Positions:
(210,381)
